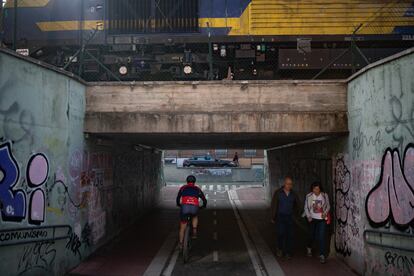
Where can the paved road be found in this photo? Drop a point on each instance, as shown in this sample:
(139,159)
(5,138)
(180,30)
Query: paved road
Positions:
(220,249)
(235,238)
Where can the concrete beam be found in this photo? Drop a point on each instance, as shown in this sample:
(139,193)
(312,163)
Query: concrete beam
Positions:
(311,108)
(231,122)
(217,96)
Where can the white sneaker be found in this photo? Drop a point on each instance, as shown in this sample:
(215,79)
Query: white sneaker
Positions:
(309,251)
(322,259)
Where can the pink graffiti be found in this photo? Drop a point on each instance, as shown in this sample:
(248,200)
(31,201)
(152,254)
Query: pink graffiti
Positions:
(37,207)
(37,174)
(393,196)
(38,170)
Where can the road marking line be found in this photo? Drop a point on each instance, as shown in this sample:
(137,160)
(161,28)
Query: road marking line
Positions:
(203,187)
(211,187)
(215,256)
(215,236)
(215,222)
(233,187)
(206,196)
(215,213)
(250,249)
(262,250)
(157,264)
(219,187)
(215,193)
(226,187)
(168,271)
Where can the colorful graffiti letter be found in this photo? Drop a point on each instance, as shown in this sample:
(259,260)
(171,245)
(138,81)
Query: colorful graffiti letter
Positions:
(37,174)
(13,202)
(392,199)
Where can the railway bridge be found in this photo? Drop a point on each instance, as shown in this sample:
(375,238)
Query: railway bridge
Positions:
(84,189)
(258,114)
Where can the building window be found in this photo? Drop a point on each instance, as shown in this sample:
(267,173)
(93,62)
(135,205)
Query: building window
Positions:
(250,153)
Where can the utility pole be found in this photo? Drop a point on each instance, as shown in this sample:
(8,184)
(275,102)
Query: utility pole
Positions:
(15,26)
(210,54)
(82,42)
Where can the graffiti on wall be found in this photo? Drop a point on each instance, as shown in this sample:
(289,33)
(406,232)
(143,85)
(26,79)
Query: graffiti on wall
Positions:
(92,174)
(342,182)
(13,113)
(89,188)
(352,180)
(13,200)
(74,244)
(361,140)
(391,200)
(398,264)
(32,235)
(37,258)
(402,126)
(59,195)
(37,173)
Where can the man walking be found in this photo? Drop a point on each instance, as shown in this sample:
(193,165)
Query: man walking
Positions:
(285,205)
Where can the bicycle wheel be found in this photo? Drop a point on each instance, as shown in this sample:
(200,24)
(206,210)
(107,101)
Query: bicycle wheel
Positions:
(186,243)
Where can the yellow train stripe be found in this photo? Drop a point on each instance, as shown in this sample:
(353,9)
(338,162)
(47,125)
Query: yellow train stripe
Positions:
(226,22)
(75,25)
(282,17)
(27,3)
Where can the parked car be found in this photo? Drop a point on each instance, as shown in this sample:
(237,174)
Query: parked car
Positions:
(170,160)
(207,161)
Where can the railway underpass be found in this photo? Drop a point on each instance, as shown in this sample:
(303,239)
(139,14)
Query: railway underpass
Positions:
(83,188)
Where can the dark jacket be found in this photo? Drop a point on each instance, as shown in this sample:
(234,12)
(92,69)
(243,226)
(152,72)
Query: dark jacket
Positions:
(275,203)
(189,194)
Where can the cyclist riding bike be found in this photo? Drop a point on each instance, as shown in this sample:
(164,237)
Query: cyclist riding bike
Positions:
(188,199)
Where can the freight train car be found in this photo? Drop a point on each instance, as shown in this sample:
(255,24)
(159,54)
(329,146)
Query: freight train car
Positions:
(208,39)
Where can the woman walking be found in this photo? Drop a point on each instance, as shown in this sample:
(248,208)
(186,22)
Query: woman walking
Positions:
(316,210)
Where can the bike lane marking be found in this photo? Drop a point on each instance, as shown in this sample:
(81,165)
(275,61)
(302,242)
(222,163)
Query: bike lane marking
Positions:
(250,249)
(157,264)
(261,251)
(168,271)
(215,256)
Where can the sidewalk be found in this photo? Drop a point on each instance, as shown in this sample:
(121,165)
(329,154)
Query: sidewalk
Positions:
(255,209)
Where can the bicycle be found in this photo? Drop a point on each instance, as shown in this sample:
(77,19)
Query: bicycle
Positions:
(187,238)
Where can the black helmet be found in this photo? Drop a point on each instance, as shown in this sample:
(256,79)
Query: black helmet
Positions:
(191,179)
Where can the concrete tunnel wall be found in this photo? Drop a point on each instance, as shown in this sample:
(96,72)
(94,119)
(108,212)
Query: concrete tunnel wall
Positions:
(63,195)
(355,170)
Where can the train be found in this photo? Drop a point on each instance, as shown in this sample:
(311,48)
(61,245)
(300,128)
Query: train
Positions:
(106,40)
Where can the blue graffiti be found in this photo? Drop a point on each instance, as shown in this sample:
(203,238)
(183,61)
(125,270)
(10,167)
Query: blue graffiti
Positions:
(12,201)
